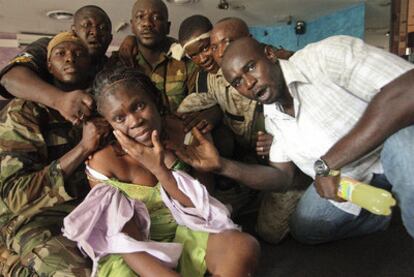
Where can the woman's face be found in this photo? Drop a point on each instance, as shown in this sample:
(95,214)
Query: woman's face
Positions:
(133,112)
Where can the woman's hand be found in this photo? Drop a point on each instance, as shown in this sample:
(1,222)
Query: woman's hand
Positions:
(151,158)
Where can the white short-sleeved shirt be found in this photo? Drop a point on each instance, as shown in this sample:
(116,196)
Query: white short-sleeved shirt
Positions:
(331,82)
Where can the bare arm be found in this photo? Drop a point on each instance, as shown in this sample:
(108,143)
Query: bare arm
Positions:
(276,177)
(204,157)
(24,83)
(389,111)
(146,265)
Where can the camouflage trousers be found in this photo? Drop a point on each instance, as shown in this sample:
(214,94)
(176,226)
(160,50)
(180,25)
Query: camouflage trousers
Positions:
(41,251)
(274,214)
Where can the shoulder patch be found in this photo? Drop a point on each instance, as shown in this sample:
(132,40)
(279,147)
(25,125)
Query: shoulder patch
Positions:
(22,58)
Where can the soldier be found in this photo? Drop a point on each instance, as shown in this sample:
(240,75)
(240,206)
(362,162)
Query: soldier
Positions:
(150,25)
(243,116)
(27,75)
(42,176)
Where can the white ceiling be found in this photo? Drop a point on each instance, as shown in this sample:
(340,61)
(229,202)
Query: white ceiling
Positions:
(30,15)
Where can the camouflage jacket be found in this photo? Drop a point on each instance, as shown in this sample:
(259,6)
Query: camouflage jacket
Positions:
(174,79)
(32,139)
(243,116)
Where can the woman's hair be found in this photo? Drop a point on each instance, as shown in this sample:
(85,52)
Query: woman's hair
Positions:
(109,79)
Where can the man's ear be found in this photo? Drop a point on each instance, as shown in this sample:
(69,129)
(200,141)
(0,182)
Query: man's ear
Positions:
(269,53)
(49,67)
(72,28)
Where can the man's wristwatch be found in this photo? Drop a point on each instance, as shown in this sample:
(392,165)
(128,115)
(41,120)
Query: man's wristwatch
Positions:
(322,169)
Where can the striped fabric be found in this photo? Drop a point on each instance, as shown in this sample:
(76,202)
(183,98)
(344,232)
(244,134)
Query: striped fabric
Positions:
(332,82)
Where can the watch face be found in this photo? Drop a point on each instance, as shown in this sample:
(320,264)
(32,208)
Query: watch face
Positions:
(321,168)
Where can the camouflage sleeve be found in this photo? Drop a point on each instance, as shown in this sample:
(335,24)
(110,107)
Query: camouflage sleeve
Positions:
(196,102)
(33,57)
(192,71)
(26,178)
(200,98)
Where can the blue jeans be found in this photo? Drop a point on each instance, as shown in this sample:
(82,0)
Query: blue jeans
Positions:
(316,220)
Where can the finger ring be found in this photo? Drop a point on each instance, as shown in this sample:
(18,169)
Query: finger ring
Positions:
(82,116)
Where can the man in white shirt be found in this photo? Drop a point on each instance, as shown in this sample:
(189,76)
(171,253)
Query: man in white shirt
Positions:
(338,105)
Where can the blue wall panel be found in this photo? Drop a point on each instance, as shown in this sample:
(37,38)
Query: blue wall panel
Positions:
(349,21)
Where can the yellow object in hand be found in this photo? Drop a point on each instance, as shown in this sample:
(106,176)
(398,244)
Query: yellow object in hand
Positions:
(377,201)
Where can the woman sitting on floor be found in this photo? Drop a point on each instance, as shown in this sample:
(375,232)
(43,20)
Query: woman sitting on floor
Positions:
(143,206)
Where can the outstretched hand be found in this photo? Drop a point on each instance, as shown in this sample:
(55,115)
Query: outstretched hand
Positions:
(150,157)
(202,156)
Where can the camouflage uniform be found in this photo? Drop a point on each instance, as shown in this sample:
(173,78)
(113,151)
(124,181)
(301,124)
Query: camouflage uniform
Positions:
(35,196)
(242,115)
(175,79)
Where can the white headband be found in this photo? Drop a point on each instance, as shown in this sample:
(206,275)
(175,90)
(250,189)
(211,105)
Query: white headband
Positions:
(177,51)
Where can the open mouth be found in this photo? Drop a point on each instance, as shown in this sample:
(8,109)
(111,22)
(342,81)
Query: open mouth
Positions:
(94,43)
(262,94)
(208,65)
(70,69)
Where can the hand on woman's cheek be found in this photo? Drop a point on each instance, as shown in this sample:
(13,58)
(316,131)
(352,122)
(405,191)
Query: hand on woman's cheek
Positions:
(152,157)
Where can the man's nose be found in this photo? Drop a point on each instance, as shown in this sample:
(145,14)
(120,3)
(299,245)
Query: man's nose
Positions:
(203,57)
(250,81)
(220,50)
(70,57)
(93,30)
(146,21)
